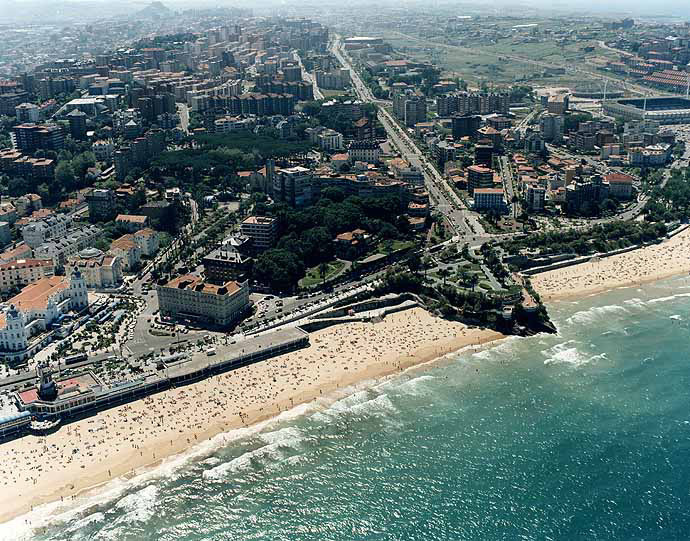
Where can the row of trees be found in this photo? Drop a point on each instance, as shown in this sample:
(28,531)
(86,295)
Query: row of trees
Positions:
(672,202)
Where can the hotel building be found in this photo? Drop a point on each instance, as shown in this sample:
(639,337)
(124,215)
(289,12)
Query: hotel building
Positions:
(189,297)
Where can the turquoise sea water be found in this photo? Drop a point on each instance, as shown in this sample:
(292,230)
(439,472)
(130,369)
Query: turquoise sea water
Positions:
(584,435)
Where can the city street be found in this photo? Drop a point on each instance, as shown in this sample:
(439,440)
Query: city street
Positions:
(465,223)
(318,95)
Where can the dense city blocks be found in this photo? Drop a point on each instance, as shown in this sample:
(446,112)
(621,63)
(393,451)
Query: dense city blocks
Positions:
(229,196)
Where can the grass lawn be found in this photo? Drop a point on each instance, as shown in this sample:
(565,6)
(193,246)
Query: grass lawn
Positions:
(395,246)
(313,276)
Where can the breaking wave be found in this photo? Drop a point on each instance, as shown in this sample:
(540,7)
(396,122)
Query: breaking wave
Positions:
(568,353)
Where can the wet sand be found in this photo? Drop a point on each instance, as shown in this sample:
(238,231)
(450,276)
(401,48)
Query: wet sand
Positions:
(132,437)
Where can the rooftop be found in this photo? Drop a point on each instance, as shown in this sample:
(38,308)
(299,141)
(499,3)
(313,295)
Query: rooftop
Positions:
(125,242)
(191,281)
(146,232)
(35,296)
(258,220)
(26,263)
(66,387)
(132,218)
(618,177)
(479,169)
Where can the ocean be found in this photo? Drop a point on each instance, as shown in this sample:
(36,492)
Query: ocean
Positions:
(580,435)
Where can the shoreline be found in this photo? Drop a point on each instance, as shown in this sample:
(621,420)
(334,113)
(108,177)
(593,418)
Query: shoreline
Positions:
(408,339)
(611,286)
(432,339)
(649,264)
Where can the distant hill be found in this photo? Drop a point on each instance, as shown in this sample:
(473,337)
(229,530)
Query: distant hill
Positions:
(155,10)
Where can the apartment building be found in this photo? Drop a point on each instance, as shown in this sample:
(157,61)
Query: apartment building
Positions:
(585,193)
(23,272)
(27,113)
(465,126)
(479,177)
(132,222)
(489,199)
(415,111)
(261,230)
(295,186)
(60,249)
(40,231)
(330,140)
(148,241)
(30,137)
(468,103)
(102,205)
(15,163)
(103,150)
(551,127)
(20,251)
(364,151)
(128,250)
(620,186)
(337,79)
(228,261)
(536,197)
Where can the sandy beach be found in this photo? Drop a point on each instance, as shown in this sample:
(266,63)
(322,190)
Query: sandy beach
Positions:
(134,436)
(669,258)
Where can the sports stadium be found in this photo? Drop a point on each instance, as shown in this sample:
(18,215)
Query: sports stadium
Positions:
(663,109)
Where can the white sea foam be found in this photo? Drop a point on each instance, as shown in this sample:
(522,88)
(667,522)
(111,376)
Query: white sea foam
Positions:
(276,441)
(74,527)
(320,417)
(415,386)
(138,506)
(568,353)
(244,461)
(22,528)
(499,350)
(362,404)
(484,354)
(290,436)
(346,404)
(635,302)
(669,298)
(377,406)
(595,313)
